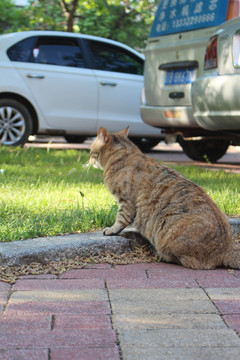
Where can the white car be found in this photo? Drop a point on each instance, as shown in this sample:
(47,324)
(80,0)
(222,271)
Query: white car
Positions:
(215,95)
(175,58)
(68,84)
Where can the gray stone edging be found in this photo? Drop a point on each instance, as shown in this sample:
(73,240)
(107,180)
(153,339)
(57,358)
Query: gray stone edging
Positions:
(46,249)
(235,225)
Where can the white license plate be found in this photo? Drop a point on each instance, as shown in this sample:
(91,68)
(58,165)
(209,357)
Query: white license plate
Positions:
(179,77)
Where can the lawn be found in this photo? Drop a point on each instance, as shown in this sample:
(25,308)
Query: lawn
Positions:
(48,192)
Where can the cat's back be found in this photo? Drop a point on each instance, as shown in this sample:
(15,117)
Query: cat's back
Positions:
(167,203)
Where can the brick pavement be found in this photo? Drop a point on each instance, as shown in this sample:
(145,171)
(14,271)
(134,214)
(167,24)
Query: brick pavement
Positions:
(139,311)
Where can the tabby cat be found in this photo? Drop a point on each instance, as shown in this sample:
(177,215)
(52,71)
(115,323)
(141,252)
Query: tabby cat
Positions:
(177,216)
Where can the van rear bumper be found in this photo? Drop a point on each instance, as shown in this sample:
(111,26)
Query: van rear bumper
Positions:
(168,117)
(216,101)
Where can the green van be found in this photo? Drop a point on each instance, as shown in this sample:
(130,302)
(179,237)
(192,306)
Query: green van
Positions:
(175,57)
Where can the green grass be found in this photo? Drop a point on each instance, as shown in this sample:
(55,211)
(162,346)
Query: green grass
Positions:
(48,192)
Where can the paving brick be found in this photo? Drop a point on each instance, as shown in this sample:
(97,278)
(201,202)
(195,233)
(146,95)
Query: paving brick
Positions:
(170,270)
(142,266)
(224,293)
(139,266)
(59,295)
(163,307)
(167,321)
(205,278)
(180,353)
(85,354)
(21,321)
(24,354)
(132,268)
(233,321)
(58,284)
(176,271)
(128,283)
(219,280)
(178,338)
(56,307)
(82,321)
(146,295)
(4,286)
(228,306)
(219,273)
(36,339)
(172,283)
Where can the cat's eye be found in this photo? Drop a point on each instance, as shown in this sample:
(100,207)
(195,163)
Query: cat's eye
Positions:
(94,154)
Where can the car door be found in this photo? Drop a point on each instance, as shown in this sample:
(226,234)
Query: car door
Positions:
(64,89)
(119,76)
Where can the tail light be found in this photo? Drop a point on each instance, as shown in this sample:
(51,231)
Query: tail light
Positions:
(210,61)
(233,10)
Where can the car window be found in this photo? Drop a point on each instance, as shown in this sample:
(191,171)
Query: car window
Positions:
(51,50)
(110,58)
(22,50)
(57,51)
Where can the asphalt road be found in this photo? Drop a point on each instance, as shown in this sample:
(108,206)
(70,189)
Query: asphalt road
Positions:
(168,153)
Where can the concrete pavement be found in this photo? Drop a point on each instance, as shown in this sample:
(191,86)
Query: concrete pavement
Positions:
(142,311)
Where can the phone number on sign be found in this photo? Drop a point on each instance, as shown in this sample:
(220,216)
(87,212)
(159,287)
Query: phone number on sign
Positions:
(192,20)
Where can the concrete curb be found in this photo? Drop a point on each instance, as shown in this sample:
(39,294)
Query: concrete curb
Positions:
(235,225)
(44,250)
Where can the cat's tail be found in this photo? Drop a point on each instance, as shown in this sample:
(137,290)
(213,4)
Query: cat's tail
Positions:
(232,258)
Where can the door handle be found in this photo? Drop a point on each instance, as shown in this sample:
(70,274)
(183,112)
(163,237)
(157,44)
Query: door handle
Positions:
(35,76)
(108,83)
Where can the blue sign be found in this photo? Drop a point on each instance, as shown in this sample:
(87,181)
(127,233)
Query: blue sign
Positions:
(174,16)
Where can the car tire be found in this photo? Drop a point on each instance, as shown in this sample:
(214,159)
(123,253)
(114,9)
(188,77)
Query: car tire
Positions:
(77,139)
(15,123)
(206,150)
(145,144)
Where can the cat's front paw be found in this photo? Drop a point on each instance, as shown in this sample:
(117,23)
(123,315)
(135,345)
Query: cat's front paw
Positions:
(110,231)
(107,231)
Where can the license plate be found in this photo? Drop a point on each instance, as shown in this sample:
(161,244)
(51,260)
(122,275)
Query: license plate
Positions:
(179,77)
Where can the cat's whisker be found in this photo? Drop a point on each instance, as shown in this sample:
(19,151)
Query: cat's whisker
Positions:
(87,166)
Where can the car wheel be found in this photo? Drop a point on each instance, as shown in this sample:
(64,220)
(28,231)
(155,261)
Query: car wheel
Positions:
(145,144)
(77,139)
(207,150)
(15,123)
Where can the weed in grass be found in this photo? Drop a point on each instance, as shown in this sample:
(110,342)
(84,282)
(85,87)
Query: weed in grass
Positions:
(44,193)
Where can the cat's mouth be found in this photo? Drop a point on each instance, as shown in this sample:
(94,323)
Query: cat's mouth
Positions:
(95,164)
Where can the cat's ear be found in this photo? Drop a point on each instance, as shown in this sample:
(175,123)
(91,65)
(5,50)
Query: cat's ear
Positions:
(125,131)
(103,135)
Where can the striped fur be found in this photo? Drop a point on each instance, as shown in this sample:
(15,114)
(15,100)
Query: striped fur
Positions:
(177,216)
